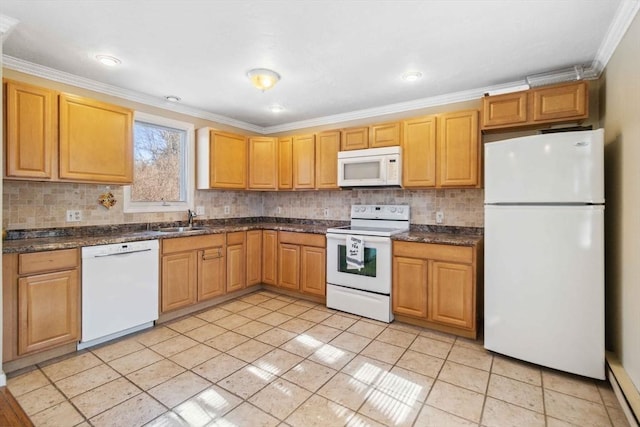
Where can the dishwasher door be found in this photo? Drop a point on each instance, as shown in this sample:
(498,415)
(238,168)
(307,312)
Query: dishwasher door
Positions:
(119,290)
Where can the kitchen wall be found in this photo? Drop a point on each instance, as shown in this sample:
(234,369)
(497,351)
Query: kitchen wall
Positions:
(620,117)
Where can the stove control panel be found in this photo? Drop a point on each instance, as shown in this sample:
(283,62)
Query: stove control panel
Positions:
(388,212)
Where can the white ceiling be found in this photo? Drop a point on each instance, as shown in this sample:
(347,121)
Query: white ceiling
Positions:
(338,59)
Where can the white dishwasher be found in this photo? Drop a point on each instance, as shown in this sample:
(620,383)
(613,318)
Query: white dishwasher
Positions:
(119,290)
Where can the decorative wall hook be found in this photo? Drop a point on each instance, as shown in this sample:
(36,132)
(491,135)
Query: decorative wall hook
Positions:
(107,200)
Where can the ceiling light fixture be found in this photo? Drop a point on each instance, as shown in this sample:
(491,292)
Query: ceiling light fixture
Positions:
(263,78)
(275,108)
(172,98)
(412,76)
(109,61)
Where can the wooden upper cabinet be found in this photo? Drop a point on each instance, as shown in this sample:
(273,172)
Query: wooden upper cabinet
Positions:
(458,149)
(221,160)
(30,130)
(285,163)
(304,162)
(503,110)
(263,163)
(419,152)
(95,141)
(384,135)
(354,139)
(561,102)
(327,147)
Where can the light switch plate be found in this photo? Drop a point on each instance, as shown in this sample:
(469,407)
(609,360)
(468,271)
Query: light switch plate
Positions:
(227,210)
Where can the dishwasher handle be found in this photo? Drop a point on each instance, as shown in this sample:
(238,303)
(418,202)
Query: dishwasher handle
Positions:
(121,253)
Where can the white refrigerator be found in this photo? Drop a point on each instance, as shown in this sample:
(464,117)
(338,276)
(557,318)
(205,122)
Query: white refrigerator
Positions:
(544,250)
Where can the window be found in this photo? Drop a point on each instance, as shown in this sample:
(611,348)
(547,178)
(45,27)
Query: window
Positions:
(163,165)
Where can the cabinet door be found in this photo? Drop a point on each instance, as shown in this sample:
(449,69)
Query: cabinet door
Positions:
(285,163)
(178,280)
(263,163)
(48,310)
(304,153)
(270,257)
(354,139)
(236,261)
(505,110)
(569,101)
(30,130)
(419,152)
(451,294)
(95,141)
(313,270)
(327,147)
(289,266)
(384,135)
(228,160)
(254,257)
(211,273)
(409,290)
(458,150)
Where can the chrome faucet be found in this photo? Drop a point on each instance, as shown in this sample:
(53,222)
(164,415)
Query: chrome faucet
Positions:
(190,215)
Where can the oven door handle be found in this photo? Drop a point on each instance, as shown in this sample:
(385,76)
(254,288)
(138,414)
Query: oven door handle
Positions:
(367,239)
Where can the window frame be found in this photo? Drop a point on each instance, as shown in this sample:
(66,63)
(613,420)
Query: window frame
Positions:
(131,206)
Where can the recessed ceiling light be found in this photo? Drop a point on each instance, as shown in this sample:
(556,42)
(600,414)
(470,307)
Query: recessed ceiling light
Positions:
(172,98)
(108,60)
(275,108)
(412,76)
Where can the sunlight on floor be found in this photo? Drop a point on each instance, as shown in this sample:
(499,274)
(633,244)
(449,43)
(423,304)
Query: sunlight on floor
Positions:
(329,354)
(203,409)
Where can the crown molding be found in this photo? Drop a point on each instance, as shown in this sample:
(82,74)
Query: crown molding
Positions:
(7,24)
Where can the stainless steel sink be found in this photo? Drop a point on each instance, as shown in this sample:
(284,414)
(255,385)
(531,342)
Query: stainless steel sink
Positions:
(180,229)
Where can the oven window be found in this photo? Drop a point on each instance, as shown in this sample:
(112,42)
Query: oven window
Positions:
(369,262)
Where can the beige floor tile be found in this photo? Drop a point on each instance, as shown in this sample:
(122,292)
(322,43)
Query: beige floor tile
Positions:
(255,298)
(331,356)
(309,375)
(118,349)
(470,343)
(179,388)
(155,336)
(323,333)
(254,312)
(617,416)
(168,419)
(250,350)
(470,357)
(226,341)
(293,309)
(384,352)
(522,394)
(302,345)
(219,367)
(247,381)
(345,390)
(61,414)
(359,420)
(464,376)
(388,409)
(502,414)
(420,363)
(232,321)
(431,347)
(69,366)
(434,417)
(247,415)
(105,397)
(608,396)
(338,321)
(571,384)
(194,356)
(282,297)
(366,329)
(367,370)
(554,422)
(275,337)
(277,361)
(207,406)
(351,342)
(86,380)
(253,329)
(318,411)
(456,400)
(575,410)
(157,373)
(136,411)
(134,361)
(296,325)
(205,332)
(314,315)
(406,386)
(397,337)
(280,398)
(274,304)
(436,335)
(236,306)
(27,382)
(405,327)
(306,303)
(213,314)
(517,370)
(186,324)
(40,399)
(275,318)
(173,345)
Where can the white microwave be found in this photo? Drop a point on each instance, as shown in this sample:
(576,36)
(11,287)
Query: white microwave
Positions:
(373,167)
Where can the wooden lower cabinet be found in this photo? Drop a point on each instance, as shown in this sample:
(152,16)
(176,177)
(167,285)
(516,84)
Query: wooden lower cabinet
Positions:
(211,273)
(313,270)
(179,278)
(236,261)
(254,257)
(437,286)
(289,266)
(302,262)
(270,257)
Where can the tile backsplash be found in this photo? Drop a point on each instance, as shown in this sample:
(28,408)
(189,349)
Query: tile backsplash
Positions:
(29,205)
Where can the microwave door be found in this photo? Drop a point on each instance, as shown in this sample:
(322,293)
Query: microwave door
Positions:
(362,171)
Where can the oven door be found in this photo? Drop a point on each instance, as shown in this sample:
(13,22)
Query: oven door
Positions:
(376,274)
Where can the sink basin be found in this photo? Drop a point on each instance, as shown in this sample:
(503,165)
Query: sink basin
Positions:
(180,229)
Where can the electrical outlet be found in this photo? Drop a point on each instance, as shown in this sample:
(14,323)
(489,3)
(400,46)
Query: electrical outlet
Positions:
(279,210)
(227,210)
(74,216)
(326,212)
(199,210)
(439,217)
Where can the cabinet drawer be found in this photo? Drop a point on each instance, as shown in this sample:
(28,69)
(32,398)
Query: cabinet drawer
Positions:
(235,238)
(463,254)
(181,244)
(305,239)
(39,262)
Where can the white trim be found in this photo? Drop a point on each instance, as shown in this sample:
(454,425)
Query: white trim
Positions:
(190,153)
(3,379)
(617,390)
